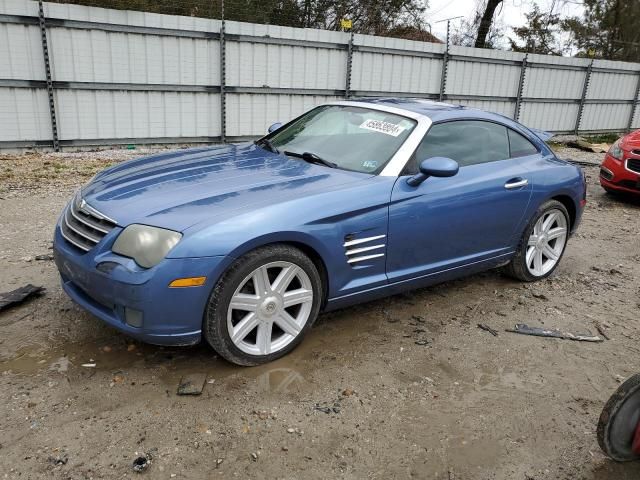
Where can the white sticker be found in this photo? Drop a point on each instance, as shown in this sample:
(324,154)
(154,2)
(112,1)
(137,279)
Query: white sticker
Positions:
(370,164)
(383,127)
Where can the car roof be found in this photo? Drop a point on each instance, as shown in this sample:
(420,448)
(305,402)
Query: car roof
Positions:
(435,111)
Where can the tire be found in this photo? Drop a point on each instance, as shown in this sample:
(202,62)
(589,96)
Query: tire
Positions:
(618,421)
(278,328)
(518,267)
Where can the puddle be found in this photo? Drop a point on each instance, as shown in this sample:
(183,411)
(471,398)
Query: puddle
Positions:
(337,337)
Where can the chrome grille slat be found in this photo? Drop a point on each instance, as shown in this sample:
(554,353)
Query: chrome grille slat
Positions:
(364,249)
(366,257)
(83,226)
(88,222)
(78,231)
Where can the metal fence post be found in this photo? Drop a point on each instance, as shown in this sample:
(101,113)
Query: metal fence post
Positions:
(634,105)
(585,89)
(47,71)
(445,64)
(523,73)
(347,86)
(223,80)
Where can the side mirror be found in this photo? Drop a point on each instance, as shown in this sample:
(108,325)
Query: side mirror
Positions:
(274,127)
(434,167)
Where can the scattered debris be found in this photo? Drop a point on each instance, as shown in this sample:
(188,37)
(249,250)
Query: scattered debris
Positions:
(58,460)
(254,456)
(19,295)
(140,464)
(325,408)
(422,342)
(589,147)
(347,392)
(601,331)
(89,365)
(192,384)
(539,296)
(487,328)
(46,257)
(523,329)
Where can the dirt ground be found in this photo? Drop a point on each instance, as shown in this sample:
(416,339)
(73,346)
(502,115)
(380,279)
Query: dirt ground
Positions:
(406,387)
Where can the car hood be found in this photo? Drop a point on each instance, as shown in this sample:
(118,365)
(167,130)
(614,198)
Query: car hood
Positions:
(631,141)
(179,189)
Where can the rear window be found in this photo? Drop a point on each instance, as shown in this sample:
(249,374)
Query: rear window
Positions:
(520,146)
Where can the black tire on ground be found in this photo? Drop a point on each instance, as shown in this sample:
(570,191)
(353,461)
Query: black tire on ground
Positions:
(215,329)
(619,420)
(517,267)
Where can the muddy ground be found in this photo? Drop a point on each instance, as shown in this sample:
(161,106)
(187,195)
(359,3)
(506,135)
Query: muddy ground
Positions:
(413,387)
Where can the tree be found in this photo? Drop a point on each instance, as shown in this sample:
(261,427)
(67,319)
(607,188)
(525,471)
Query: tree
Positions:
(485,22)
(608,29)
(539,34)
(469,29)
(376,17)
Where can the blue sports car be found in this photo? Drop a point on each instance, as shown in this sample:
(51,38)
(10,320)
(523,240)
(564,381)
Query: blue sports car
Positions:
(245,244)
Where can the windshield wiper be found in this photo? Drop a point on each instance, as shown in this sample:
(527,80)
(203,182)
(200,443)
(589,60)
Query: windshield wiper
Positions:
(312,158)
(265,142)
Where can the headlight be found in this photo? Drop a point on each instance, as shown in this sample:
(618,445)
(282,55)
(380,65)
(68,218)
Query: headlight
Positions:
(615,151)
(146,245)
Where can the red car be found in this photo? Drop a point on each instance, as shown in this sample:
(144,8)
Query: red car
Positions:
(620,170)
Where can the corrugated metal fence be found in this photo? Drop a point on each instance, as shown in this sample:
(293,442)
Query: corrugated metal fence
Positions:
(73,75)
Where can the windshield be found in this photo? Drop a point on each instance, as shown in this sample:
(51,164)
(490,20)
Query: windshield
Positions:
(352,138)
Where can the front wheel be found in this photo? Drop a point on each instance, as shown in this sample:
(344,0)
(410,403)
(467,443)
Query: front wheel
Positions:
(263,305)
(542,244)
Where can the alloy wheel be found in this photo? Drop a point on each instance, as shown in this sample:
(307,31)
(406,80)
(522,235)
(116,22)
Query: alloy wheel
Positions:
(546,242)
(270,308)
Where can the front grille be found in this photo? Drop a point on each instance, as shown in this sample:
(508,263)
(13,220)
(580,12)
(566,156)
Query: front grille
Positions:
(633,164)
(83,226)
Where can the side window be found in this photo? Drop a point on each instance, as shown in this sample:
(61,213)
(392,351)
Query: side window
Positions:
(520,146)
(468,142)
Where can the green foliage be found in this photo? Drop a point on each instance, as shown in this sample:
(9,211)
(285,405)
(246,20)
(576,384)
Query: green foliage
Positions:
(539,34)
(377,17)
(609,29)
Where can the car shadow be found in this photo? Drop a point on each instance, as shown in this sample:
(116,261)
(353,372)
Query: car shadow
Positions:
(623,199)
(610,470)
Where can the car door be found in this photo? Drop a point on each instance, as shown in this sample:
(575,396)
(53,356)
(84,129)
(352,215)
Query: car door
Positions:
(445,223)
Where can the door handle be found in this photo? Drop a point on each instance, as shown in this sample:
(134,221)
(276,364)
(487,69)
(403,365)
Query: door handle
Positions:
(516,183)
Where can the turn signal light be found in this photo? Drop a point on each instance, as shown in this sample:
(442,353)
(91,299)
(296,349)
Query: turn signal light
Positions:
(188,282)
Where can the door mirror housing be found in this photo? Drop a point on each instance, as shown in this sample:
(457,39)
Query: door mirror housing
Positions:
(274,127)
(434,167)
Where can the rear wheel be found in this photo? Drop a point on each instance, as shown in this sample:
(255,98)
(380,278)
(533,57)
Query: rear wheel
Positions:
(542,244)
(619,421)
(263,305)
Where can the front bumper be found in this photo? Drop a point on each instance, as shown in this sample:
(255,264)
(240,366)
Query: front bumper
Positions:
(615,176)
(107,285)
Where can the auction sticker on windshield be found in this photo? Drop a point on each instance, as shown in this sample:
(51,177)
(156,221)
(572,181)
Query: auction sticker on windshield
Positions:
(383,127)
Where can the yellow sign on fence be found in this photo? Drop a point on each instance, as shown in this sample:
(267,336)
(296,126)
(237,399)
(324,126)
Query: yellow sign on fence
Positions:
(346,24)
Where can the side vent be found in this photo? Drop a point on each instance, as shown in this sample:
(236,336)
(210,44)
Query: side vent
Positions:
(363,249)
